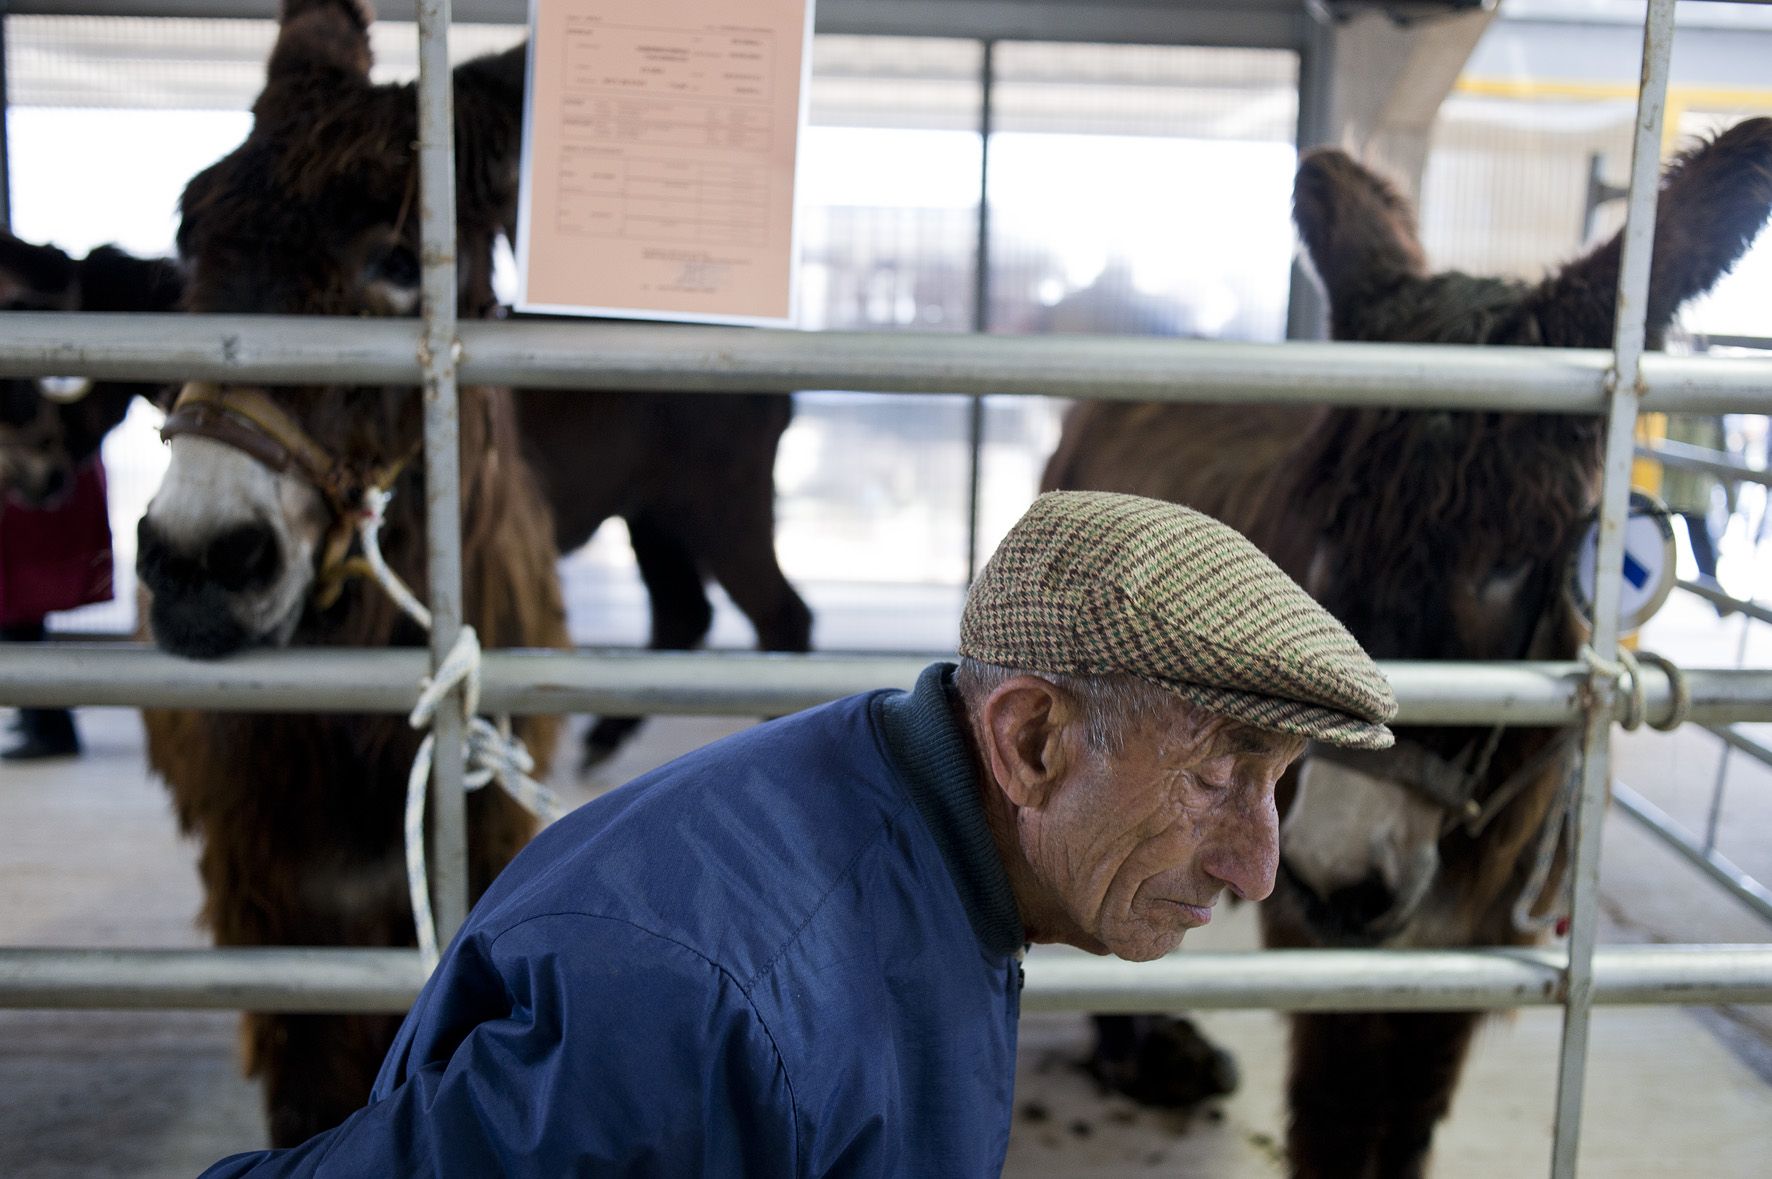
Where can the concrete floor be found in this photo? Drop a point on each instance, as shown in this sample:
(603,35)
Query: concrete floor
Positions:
(89,856)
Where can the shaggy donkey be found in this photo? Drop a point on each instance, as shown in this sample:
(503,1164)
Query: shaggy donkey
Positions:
(299,816)
(1431,535)
(707,512)
(43,439)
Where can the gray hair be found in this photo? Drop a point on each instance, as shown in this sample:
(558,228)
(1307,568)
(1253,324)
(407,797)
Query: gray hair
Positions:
(1114,705)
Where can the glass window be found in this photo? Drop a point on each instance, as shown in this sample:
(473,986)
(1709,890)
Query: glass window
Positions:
(1134,190)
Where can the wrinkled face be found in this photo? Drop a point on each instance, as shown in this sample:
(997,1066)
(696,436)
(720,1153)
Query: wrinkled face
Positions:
(1137,848)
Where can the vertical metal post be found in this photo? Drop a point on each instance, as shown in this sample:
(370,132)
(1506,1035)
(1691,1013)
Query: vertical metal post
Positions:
(1307,313)
(437,354)
(1716,799)
(1626,392)
(981,293)
(1715,814)
(5,139)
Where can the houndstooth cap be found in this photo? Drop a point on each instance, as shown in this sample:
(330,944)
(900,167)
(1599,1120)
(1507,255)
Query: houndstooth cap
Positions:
(1091,582)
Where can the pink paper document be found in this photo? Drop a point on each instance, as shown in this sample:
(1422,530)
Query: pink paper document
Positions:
(658,158)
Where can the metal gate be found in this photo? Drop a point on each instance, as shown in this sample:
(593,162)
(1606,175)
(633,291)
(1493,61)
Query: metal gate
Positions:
(440,352)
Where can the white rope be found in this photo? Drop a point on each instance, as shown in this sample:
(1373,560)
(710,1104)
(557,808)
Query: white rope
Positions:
(491,753)
(418,885)
(1559,820)
(1627,675)
(372,514)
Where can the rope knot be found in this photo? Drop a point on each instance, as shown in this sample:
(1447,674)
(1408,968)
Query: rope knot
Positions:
(491,752)
(1626,675)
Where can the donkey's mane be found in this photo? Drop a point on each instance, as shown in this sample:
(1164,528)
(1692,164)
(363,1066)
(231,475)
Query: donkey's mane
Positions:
(1404,492)
(1455,308)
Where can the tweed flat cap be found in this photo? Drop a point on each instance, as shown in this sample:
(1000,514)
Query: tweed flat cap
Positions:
(1091,582)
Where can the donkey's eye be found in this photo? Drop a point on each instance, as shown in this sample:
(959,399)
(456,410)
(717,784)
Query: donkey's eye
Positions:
(397,265)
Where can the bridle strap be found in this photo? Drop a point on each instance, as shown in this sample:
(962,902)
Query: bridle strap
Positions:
(1450,784)
(1517,781)
(1446,784)
(250,421)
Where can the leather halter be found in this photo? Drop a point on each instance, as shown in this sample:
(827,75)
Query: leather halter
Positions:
(1452,783)
(250,421)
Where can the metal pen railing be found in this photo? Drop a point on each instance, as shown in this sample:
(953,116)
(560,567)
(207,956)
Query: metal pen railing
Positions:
(1702,852)
(439,352)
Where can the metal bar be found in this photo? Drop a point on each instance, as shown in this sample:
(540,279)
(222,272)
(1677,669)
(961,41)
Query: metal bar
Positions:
(981,295)
(1715,817)
(1741,741)
(326,979)
(1307,312)
(5,137)
(1390,980)
(1138,22)
(447,829)
(1626,393)
(1704,341)
(1233,25)
(694,358)
(259,979)
(736,683)
(511,12)
(1729,605)
(1698,458)
(1653,819)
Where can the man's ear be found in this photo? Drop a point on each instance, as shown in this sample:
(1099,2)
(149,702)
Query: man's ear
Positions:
(1025,722)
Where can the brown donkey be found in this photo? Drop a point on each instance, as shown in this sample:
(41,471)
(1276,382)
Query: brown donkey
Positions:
(1431,535)
(43,439)
(299,816)
(691,476)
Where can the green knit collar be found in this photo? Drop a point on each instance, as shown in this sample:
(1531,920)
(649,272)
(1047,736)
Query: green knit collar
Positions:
(936,763)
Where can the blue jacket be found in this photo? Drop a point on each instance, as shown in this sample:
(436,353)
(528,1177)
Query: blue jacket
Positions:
(791,953)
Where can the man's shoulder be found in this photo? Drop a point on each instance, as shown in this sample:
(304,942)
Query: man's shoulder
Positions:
(728,850)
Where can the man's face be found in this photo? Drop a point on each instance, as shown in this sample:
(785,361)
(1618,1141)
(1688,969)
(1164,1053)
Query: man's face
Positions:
(1135,849)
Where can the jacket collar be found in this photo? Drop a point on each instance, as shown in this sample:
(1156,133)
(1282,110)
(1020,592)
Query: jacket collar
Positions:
(924,736)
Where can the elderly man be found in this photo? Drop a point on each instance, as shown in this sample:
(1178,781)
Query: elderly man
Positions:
(797,951)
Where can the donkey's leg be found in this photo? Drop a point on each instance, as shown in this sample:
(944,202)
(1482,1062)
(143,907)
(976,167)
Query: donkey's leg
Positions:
(1159,1060)
(317,1069)
(681,616)
(739,548)
(1427,1052)
(1367,1090)
(681,613)
(1335,1095)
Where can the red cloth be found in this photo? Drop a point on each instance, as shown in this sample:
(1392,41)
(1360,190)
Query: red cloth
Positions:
(59,557)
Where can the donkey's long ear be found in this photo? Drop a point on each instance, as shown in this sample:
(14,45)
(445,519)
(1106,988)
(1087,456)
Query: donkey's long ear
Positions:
(489,136)
(1715,199)
(320,37)
(112,280)
(1357,228)
(35,276)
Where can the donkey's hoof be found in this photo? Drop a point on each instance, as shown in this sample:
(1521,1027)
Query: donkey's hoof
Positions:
(1171,1066)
